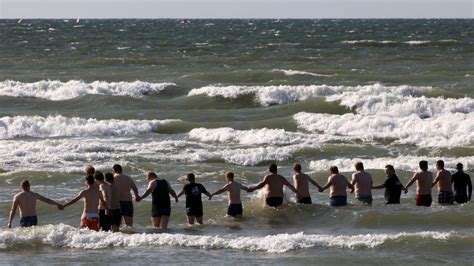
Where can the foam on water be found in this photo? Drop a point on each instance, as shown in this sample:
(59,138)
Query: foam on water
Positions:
(290,72)
(447,130)
(56,90)
(65,236)
(406,163)
(54,126)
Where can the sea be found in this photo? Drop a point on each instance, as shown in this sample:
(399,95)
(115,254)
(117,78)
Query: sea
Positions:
(176,96)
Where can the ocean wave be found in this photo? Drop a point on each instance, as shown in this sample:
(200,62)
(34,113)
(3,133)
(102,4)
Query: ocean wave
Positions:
(55,126)
(405,163)
(448,130)
(369,99)
(290,72)
(400,43)
(56,90)
(65,236)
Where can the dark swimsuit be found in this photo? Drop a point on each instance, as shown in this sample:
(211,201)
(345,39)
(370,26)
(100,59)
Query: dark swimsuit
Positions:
(274,201)
(28,221)
(305,200)
(234,210)
(160,203)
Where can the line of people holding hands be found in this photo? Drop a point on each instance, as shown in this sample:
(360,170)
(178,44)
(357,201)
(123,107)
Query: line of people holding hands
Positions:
(107,198)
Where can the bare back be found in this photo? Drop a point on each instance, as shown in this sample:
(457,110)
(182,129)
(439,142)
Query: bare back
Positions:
(233,189)
(106,191)
(91,199)
(338,186)
(124,184)
(274,186)
(27,202)
(115,197)
(362,182)
(301,183)
(424,182)
(444,183)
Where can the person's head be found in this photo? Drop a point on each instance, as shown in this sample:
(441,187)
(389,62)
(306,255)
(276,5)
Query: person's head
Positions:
(273,168)
(99,177)
(151,175)
(109,177)
(297,168)
(25,185)
(359,166)
(191,178)
(229,176)
(440,165)
(334,170)
(90,180)
(389,170)
(90,170)
(117,169)
(459,167)
(423,165)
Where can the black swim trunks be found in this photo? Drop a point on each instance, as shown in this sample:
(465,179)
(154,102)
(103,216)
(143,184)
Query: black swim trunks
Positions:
(194,209)
(126,208)
(305,200)
(160,203)
(115,217)
(28,221)
(104,221)
(158,212)
(234,210)
(274,201)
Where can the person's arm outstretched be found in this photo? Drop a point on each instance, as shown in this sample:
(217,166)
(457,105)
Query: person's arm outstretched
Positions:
(258,186)
(411,181)
(47,200)
(314,183)
(436,180)
(172,192)
(290,186)
(148,191)
(74,200)
(134,188)
(220,191)
(469,187)
(12,212)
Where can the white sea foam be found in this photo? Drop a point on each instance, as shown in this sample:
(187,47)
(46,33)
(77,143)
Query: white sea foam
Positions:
(448,130)
(56,90)
(65,236)
(290,72)
(406,163)
(54,126)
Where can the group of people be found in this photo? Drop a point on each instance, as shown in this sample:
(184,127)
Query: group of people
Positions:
(108,199)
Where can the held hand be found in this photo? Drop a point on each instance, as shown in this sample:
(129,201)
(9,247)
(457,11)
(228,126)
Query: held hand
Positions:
(138,199)
(321,190)
(406,191)
(352,190)
(9,225)
(60,207)
(250,190)
(210,197)
(176,199)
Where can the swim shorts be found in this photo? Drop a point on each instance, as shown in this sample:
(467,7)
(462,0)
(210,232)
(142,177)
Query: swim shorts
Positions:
(194,210)
(305,200)
(338,201)
(28,221)
(274,201)
(423,200)
(104,220)
(126,208)
(367,199)
(445,197)
(91,223)
(234,210)
(158,212)
(115,217)
(460,198)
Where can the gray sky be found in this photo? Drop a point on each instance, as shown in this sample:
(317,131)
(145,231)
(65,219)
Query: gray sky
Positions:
(236,9)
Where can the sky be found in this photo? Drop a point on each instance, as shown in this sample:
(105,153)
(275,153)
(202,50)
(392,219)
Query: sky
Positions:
(236,9)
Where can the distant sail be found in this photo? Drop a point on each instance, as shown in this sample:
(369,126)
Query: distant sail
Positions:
(20,20)
(77,20)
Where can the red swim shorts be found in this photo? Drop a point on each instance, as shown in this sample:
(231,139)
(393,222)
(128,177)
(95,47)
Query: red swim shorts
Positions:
(90,223)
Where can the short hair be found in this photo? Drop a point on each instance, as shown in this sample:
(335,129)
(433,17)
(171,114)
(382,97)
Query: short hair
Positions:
(440,163)
(25,184)
(98,175)
(117,168)
(297,167)
(109,177)
(459,166)
(359,166)
(191,177)
(90,170)
(334,169)
(152,174)
(273,168)
(90,180)
(390,167)
(423,165)
(230,175)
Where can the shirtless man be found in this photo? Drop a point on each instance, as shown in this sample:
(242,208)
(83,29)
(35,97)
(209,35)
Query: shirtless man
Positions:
(92,196)
(106,191)
(337,185)
(443,179)
(273,184)
(462,185)
(26,200)
(362,182)
(114,212)
(160,191)
(301,182)
(424,180)
(124,184)
(233,188)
